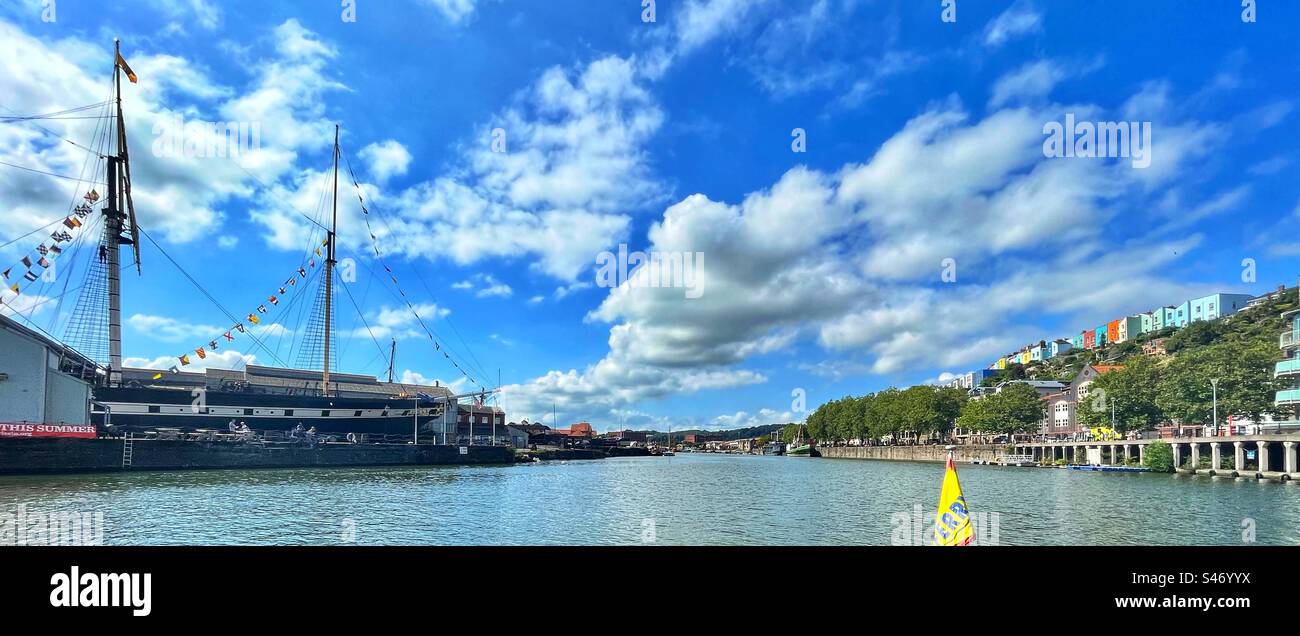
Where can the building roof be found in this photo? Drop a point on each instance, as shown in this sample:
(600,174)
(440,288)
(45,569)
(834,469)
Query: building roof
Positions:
(1106,368)
(76,357)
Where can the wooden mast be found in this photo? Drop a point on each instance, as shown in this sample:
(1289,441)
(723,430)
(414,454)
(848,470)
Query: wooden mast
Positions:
(329,268)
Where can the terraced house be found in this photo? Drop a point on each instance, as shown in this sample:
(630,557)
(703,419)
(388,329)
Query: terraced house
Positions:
(1289,367)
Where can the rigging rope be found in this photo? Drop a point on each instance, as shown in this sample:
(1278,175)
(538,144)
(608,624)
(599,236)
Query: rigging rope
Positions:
(438,345)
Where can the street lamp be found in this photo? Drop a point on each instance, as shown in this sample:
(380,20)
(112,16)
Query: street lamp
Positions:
(1214,384)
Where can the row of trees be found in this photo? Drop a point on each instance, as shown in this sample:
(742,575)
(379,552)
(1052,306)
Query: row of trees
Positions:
(926,411)
(1147,392)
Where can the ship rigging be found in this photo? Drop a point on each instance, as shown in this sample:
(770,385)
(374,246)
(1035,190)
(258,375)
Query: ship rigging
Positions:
(264,398)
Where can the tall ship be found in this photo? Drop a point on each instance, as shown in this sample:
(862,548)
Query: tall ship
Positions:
(258,398)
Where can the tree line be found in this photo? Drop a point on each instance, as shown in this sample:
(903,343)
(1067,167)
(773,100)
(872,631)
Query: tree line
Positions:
(926,411)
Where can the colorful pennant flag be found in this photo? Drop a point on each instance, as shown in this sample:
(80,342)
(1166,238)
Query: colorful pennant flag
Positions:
(185,360)
(202,354)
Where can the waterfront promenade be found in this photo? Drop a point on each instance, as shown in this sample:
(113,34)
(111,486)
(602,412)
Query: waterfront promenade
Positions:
(1274,455)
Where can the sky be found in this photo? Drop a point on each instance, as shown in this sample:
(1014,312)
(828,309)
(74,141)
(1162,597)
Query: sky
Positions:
(863,186)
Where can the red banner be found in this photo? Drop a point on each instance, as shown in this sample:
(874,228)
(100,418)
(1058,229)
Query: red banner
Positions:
(47,430)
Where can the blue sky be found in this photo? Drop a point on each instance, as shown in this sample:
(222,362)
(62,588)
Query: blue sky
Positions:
(821,269)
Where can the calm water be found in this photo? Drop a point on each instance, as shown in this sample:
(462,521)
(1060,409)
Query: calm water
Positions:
(687,499)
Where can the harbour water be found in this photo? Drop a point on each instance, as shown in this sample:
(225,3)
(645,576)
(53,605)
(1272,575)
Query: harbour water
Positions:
(688,499)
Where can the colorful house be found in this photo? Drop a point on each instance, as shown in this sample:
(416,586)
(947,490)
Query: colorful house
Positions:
(1089,339)
(1100,334)
(1077,341)
(1216,306)
(1148,322)
(1038,353)
(1130,327)
(1059,346)
(1182,315)
(1112,331)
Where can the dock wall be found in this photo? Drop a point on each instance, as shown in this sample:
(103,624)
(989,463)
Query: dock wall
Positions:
(933,453)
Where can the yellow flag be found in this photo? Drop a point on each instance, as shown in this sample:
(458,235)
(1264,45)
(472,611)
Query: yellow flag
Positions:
(952,522)
(157,376)
(130,74)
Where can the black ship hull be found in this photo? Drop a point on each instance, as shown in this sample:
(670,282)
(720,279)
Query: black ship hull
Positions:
(136,409)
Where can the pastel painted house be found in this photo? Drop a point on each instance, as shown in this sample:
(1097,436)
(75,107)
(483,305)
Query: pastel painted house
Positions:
(1216,306)
(1112,331)
(1182,315)
(1131,327)
(1089,339)
(1039,352)
(1077,341)
(1060,346)
(1162,317)
(1100,335)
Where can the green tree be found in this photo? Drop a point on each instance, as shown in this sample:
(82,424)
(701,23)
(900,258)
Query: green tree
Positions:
(1019,409)
(1128,393)
(1159,457)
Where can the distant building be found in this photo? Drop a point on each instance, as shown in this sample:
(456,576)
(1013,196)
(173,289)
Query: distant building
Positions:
(581,429)
(628,436)
(1060,346)
(1289,368)
(1112,331)
(1058,418)
(1089,339)
(1216,306)
(1263,298)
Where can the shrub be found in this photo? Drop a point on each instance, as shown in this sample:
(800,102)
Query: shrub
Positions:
(1160,457)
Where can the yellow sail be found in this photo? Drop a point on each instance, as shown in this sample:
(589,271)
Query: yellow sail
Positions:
(952,522)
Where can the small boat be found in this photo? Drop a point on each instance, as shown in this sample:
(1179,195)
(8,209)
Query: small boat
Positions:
(801,448)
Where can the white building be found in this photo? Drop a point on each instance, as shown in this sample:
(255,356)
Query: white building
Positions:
(42,381)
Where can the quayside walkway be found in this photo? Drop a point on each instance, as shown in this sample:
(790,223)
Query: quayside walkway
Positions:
(1257,456)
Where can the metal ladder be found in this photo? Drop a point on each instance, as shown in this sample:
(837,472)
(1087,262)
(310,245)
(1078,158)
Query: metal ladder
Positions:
(128,451)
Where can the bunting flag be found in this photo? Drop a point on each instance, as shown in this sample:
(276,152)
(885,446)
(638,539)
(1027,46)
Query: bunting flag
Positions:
(185,360)
(43,262)
(274,301)
(212,345)
(56,250)
(239,327)
(302,272)
(318,251)
(229,338)
(174,369)
(202,354)
(92,196)
(72,222)
(30,276)
(157,376)
(253,319)
(261,309)
(27,262)
(311,262)
(14,288)
(42,250)
(6,273)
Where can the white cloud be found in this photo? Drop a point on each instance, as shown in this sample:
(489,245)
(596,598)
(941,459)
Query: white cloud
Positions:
(1031,81)
(225,359)
(1021,18)
(387,159)
(401,322)
(485,286)
(454,10)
